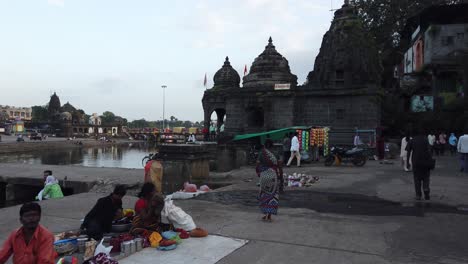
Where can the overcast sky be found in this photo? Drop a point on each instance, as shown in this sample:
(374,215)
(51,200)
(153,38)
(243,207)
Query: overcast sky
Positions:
(114,55)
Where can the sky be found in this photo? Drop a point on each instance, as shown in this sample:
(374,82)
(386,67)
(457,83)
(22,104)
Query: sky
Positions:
(114,55)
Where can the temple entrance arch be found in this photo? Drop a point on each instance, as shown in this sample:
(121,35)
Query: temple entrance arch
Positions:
(254,117)
(218,116)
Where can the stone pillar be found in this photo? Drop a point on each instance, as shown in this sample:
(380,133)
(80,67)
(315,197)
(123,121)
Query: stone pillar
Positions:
(183,163)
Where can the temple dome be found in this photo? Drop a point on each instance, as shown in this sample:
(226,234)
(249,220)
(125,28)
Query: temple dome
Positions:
(68,108)
(65,116)
(270,68)
(226,77)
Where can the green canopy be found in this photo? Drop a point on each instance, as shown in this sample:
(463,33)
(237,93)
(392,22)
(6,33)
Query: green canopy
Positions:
(273,134)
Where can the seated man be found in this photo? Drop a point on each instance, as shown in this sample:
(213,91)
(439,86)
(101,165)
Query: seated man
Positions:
(31,243)
(99,220)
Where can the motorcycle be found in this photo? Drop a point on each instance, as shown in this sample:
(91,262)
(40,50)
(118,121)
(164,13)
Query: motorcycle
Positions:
(355,156)
(252,155)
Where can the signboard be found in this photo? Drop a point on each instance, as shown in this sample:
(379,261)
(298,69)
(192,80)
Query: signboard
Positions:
(415,33)
(408,64)
(422,103)
(282,86)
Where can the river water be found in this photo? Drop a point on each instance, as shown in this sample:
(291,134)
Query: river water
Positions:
(115,156)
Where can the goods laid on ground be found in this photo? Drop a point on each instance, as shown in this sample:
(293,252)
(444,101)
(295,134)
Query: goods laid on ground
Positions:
(300,180)
(121,243)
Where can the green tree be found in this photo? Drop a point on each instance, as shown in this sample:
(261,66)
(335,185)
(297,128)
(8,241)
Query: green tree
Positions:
(107,117)
(385,22)
(39,113)
(140,123)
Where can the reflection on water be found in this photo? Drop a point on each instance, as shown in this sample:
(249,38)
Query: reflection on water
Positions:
(118,156)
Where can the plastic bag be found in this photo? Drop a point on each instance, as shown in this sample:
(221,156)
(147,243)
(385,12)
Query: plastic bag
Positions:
(89,249)
(102,249)
(177,216)
(205,188)
(188,187)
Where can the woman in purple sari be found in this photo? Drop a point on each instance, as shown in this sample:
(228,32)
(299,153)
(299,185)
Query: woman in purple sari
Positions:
(267,170)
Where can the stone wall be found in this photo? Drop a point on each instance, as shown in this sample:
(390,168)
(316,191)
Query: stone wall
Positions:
(338,111)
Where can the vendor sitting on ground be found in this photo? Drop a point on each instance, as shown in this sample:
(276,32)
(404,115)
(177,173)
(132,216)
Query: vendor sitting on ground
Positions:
(107,209)
(145,195)
(51,189)
(149,219)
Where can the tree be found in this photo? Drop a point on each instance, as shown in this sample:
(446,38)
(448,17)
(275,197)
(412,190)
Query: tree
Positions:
(3,116)
(39,113)
(141,123)
(107,117)
(385,21)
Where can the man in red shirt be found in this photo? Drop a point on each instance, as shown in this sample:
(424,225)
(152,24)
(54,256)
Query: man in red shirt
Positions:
(205,133)
(31,243)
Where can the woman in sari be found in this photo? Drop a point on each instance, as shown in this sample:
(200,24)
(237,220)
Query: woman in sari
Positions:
(146,194)
(267,170)
(149,219)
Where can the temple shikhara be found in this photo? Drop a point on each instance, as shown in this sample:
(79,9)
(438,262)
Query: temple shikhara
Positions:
(342,90)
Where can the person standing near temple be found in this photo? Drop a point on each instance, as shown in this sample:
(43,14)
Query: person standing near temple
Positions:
(422,163)
(294,151)
(453,143)
(403,153)
(212,132)
(462,148)
(442,142)
(286,147)
(206,133)
(431,139)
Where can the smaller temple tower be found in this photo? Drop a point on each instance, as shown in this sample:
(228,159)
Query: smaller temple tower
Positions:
(268,69)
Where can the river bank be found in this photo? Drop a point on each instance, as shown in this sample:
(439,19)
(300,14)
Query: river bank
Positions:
(9,144)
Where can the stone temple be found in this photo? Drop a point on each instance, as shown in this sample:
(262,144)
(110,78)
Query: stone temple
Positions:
(341,92)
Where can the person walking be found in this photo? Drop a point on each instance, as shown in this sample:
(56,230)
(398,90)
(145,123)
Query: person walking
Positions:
(422,162)
(442,142)
(206,133)
(453,143)
(462,148)
(286,147)
(431,139)
(294,151)
(212,132)
(403,153)
(267,169)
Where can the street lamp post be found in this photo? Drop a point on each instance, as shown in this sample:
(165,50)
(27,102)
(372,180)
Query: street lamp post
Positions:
(164,105)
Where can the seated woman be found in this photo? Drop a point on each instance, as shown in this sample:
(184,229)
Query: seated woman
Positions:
(149,219)
(51,189)
(147,192)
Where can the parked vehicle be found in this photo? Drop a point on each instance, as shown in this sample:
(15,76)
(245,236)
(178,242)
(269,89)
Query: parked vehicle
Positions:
(355,155)
(149,157)
(253,155)
(35,136)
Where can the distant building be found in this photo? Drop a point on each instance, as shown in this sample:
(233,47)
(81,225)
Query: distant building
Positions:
(69,121)
(434,72)
(16,113)
(95,120)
